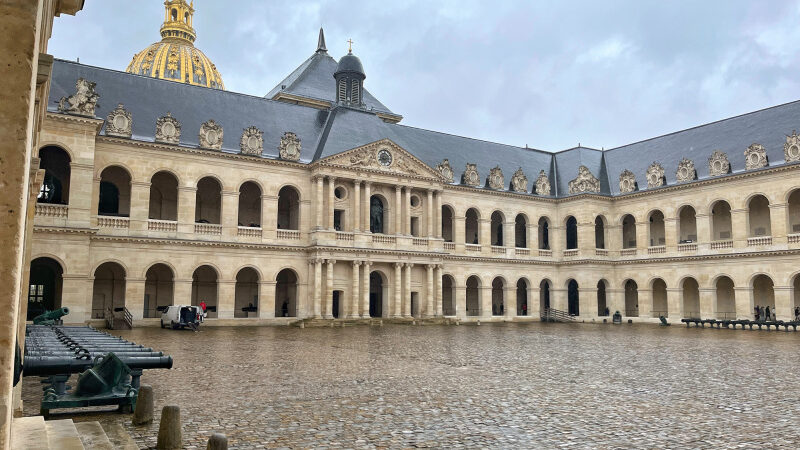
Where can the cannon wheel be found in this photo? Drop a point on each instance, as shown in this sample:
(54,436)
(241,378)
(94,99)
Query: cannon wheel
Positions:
(162,323)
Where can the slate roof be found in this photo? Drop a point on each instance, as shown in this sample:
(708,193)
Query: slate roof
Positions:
(328,132)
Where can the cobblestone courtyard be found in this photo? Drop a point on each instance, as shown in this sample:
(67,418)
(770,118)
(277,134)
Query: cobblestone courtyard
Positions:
(503,385)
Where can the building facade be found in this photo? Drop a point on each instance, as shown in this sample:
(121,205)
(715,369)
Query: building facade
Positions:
(314,201)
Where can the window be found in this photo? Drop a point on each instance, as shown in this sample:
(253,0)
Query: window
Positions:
(36,293)
(355,96)
(342,90)
(338,219)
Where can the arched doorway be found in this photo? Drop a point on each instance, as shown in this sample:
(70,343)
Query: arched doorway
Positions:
(108,290)
(522,297)
(573,299)
(286,294)
(628,231)
(521,231)
(544,233)
(447,223)
(249,205)
(204,288)
(600,232)
(544,295)
(288,209)
(687,226)
(448,296)
(764,293)
(158,289)
(115,192)
(44,287)
(498,306)
(660,307)
(631,299)
(245,302)
(726,299)
(163,197)
(208,201)
(602,304)
(497,229)
(796,296)
(471,228)
(721,221)
(377,299)
(572,233)
(55,186)
(473,296)
(691,298)
(794,211)
(758,217)
(657,233)
(377,215)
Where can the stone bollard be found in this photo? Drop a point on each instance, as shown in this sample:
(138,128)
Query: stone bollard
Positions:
(217,442)
(143,414)
(170,435)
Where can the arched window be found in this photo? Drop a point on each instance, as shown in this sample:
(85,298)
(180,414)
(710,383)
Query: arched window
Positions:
(163,197)
(572,232)
(522,297)
(721,221)
(471,229)
(447,223)
(758,217)
(498,300)
(288,209)
(573,300)
(376,215)
(794,212)
(115,192)
(448,296)
(599,232)
(687,225)
(174,15)
(473,296)
(544,233)
(249,205)
(497,229)
(628,231)
(631,299)
(208,201)
(55,186)
(602,304)
(660,298)
(657,236)
(544,295)
(521,231)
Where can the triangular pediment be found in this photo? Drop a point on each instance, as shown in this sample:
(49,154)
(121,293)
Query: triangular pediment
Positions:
(383,156)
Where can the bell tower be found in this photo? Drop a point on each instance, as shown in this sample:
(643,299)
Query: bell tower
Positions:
(178,21)
(350,77)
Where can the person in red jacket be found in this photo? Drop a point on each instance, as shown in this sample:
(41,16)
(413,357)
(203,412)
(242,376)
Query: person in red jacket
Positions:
(203,307)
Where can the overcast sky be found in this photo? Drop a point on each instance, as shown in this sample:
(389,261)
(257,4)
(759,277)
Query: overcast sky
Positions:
(549,74)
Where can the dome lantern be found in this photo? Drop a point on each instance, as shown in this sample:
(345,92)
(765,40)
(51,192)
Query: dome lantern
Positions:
(178,20)
(350,77)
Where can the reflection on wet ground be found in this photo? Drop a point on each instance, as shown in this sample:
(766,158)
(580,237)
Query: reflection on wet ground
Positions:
(494,385)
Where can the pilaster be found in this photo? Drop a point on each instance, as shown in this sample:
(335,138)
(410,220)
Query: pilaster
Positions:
(708,303)
(266,300)
(229,216)
(140,204)
(226,300)
(134,297)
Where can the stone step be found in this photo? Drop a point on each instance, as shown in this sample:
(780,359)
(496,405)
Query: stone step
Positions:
(119,437)
(93,436)
(29,433)
(62,434)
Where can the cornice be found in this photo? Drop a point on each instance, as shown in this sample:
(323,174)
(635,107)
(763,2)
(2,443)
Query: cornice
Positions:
(75,119)
(64,230)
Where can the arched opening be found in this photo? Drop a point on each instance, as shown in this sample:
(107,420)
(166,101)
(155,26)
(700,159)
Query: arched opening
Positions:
(602,303)
(447,223)
(473,296)
(245,303)
(691,298)
(158,289)
(44,286)
(208,201)
(573,299)
(377,215)
(377,299)
(764,295)
(108,289)
(544,233)
(660,298)
(794,212)
(631,299)
(721,221)
(544,295)
(572,232)
(758,217)
(628,231)
(726,299)
(174,15)
(163,197)
(249,205)
(521,231)
(286,294)
(599,232)
(448,296)
(115,192)
(497,229)
(498,302)
(288,209)
(204,288)
(522,297)
(687,225)
(471,228)
(55,186)
(657,235)
(796,297)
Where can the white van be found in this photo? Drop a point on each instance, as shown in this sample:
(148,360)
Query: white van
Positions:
(179,316)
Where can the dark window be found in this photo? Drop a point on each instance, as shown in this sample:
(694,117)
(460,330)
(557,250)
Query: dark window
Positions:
(109,199)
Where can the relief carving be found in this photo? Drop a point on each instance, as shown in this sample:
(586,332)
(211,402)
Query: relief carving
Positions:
(627,182)
(718,164)
(755,157)
(364,157)
(543,184)
(83,101)
(791,149)
(252,141)
(496,179)
(210,136)
(519,182)
(289,147)
(686,171)
(168,130)
(118,122)
(446,171)
(471,177)
(655,176)
(584,182)
(405,166)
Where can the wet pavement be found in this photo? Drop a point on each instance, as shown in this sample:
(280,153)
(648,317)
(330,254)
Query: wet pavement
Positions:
(494,385)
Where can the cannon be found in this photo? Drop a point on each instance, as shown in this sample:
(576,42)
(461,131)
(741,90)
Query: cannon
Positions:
(51,317)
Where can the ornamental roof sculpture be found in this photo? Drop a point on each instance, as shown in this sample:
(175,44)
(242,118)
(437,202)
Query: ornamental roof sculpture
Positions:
(210,135)
(755,157)
(686,171)
(496,180)
(585,182)
(119,123)
(542,184)
(519,182)
(83,102)
(471,177)
(627,181)
(791,149)
(289,148)
(252,141)
(446,171)
(655,176)
(718,164)
(168,130)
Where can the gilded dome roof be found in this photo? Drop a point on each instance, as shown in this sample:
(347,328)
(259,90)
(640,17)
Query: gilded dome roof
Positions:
(175,58)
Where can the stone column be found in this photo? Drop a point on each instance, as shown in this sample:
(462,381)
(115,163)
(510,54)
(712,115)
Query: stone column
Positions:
(509,301)
(675,303)
(355,295)
(366,215)
(134,297)
(398,210)
(356,206)
(779,224)
(407,212)
(317,306)
(331,201)
(226,299)
(266,300)
(784,303)
(438,292)
(739,229)
(320,203)
(430,214)
(140,204)
(744,302)
(485,301)
(708,303)
(364,310)
(430,294)
(187,202)
(407,287)
(327,311)
(230,214)
(398,290)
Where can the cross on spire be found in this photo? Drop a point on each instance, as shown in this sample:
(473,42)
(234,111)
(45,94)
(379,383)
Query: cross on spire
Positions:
(350,48)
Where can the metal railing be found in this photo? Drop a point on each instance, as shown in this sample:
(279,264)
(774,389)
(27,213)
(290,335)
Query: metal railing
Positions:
(555,315)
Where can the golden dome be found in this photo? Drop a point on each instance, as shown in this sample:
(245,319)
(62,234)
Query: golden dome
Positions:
(175,58)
